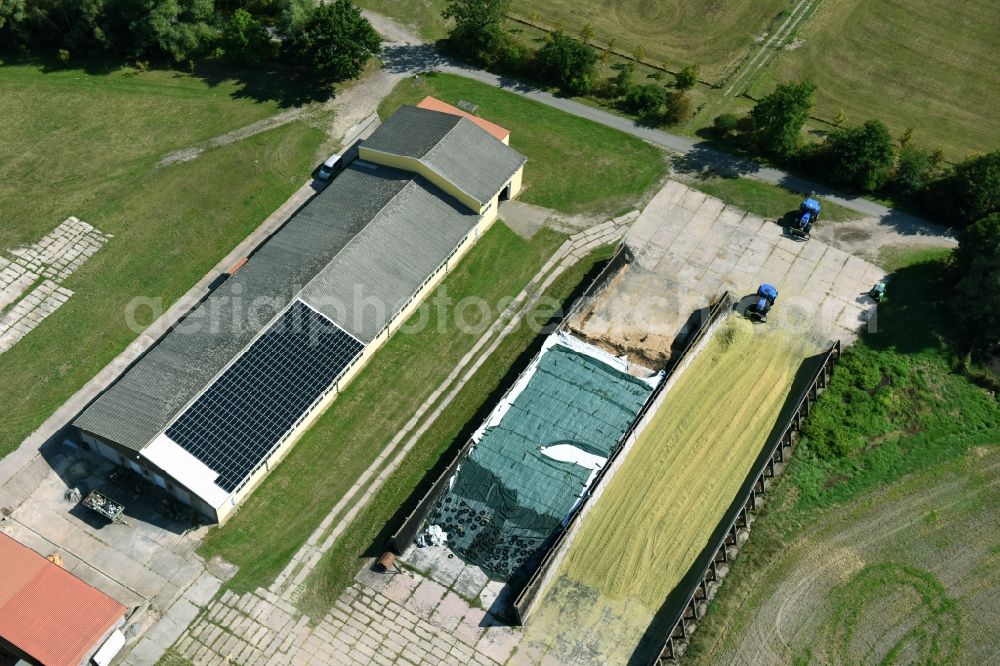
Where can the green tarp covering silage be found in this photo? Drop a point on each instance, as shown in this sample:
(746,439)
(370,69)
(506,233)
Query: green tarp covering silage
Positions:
(508,497)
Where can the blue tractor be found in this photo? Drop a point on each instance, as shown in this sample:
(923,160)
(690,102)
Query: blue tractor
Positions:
(766,295)
(807,216)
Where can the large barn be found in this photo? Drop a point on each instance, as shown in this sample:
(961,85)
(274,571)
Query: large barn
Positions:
(222,396)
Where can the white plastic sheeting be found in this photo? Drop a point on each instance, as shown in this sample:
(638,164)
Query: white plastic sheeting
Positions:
(573,454)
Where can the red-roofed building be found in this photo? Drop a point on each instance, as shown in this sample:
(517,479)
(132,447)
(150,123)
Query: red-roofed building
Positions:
(434,104)
(49,616)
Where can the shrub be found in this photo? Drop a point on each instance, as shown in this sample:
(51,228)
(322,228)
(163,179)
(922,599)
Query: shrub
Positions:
(913,171)
(726,124)
(566,63)
(678,108)
(778,118)
(861,157)
(646,101)
(63,55)
(687,78)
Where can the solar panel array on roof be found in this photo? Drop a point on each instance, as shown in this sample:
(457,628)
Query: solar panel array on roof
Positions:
(236,422)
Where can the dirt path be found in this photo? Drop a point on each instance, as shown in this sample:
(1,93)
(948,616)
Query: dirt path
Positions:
(350,106)
(283,118)
(910,571)
(869,237)
(744,76)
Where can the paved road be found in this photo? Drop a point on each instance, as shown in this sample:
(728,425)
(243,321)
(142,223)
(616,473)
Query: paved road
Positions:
(406,55)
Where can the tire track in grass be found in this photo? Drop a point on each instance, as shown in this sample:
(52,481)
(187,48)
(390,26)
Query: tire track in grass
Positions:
(796,583)
(739,83)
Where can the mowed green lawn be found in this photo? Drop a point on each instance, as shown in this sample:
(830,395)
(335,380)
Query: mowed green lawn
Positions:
(574,165)
(83,144)
(348,437)
(928,64)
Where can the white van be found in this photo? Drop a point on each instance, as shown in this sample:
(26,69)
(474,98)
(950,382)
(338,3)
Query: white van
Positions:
(330,168)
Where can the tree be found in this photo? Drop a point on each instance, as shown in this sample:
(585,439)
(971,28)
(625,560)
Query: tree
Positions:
(677,109)
(623,82)
(244,39)
(294,16)
(335,41)
(687,78)
(977,264)
(177,29)
(12,13)
(476,14)
(973,188)
(778,118)
(646,101)
(478,32)
(587,33)
(913,171)
(861,157)
(840,118)
(181,30)
(937,159)
(566,63)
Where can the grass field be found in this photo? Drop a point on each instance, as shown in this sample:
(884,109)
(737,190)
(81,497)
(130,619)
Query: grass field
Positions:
(927,64)
(574,165)
(86,144)
(659,508)
(73,139)
(677,33)
(880,543)
(905,574)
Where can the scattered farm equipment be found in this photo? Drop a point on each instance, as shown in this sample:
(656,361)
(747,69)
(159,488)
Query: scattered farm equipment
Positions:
(766,295)
(105,506)
(806,217)
(877,292)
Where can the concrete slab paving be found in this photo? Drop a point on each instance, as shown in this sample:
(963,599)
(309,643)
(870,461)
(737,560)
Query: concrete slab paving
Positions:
(522,218)
(711,245)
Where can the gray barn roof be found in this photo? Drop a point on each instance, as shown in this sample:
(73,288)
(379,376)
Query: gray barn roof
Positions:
(389,260)
(384,230)
(455,147)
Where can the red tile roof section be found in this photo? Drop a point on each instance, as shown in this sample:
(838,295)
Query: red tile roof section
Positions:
(47,612)
(434,104)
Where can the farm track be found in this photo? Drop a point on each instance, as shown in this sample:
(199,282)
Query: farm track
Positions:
(744,76)
(794,606)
